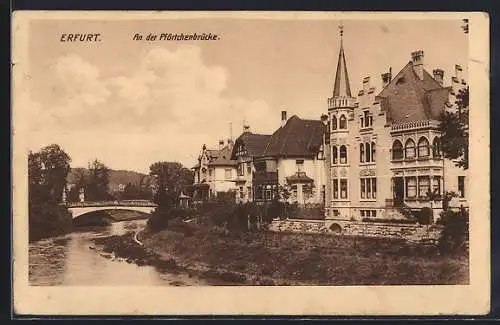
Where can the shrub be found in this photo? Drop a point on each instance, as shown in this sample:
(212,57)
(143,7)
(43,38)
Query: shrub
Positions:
(455,234)
(48,219)
(309,211)
(423,216)
(158,221)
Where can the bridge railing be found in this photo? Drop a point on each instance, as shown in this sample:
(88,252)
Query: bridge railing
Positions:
(141,203)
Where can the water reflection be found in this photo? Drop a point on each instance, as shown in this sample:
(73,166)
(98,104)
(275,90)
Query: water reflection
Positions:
(70,260)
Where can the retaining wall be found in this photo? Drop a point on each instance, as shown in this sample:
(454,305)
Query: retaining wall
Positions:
(412,232)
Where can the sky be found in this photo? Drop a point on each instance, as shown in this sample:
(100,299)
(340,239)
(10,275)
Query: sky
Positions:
(131,103)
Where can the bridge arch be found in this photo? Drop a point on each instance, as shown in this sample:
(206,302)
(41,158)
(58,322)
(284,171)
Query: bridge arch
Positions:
(79,211)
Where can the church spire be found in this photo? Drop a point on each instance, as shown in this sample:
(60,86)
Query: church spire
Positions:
(341,87)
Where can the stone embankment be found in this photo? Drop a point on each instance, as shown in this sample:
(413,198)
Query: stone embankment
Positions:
(409,232)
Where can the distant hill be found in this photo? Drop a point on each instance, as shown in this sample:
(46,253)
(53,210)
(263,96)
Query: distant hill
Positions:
(116,177)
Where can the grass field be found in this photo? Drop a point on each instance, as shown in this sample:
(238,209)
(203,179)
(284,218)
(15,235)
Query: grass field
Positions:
(313,259)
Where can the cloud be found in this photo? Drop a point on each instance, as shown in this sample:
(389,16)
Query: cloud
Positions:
(166,109)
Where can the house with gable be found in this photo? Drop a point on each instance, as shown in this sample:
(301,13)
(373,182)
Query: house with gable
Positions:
(246,147)
(292,159)
(383,147)
(215,172)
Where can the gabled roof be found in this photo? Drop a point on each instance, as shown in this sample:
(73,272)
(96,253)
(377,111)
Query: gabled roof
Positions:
(212,153)
(254,143)
(296,138)
(407,98)
(222,157)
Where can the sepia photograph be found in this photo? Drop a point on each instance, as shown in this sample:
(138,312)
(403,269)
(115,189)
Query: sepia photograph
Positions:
(250,151)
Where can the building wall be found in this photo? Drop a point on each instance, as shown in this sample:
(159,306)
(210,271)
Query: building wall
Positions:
(377,167)
(218,181)
(383,169)
(451,174)
(244,181)
(313,168)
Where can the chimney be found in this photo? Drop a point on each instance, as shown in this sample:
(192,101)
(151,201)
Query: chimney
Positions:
(438,75)
(221,144)
(283,118)
(417,59)
(458,72)
(366,84)
(386,78)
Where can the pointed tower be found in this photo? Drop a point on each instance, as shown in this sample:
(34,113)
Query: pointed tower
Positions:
(340,115)
(341,97)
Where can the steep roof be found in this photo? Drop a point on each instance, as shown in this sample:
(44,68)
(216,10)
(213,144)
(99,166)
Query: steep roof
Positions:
(222,157)
(341,86)
(254,143)
(297,137)
(407,98)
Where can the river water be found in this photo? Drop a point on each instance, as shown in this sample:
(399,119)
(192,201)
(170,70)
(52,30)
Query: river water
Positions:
(70,260)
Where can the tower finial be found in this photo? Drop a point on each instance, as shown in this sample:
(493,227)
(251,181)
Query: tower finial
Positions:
(341,29)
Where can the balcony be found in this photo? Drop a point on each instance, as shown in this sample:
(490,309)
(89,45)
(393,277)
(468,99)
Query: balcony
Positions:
(265,177)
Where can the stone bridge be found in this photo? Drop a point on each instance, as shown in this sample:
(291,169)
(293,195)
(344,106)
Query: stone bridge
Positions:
(80,208)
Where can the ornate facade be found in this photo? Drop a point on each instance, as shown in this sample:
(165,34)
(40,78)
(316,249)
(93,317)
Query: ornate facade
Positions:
(383,147)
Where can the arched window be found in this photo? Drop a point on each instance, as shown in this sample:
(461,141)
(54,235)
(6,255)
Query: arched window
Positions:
(436,147)
(368,152)
(334,155)
(361,152)
(343,155)
(397,150)
(410,149)
(342,122)
(334,122)
(373,151)
(423,147)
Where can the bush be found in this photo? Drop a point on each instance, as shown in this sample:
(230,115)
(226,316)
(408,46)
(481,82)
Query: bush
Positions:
(424,216)
(48,219)
(455,234)
(309,211)
(158,221)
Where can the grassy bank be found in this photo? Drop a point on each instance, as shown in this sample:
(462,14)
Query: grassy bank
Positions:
(302,259)
(125,247)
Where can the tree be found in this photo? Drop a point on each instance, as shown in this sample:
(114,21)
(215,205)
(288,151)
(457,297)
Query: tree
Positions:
(80,182)
(47,171)
(98,181)
(170,177)
(131,192)
(454,129)
(455,234)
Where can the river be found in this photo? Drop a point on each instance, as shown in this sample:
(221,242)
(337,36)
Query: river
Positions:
(70,260)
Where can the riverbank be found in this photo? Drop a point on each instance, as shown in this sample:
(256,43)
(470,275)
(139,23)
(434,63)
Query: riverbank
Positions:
(265,258)
(127,248)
